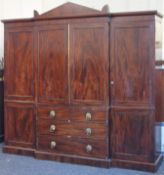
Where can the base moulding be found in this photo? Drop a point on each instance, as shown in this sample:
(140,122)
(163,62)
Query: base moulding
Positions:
(104,163)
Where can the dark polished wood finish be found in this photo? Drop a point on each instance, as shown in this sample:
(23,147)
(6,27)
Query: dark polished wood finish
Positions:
(73,146)
(131,64)
(130,142)
(73,129)
(132,74)
(52,64)
(79,87)
(70,9)
(98,162)
(159,79)
(19,48)
(145,166)
(78,114)
(89,75)
(20,125)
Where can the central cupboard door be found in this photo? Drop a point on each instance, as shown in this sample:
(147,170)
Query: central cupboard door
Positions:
(52,63)
(73,63)
(89,63)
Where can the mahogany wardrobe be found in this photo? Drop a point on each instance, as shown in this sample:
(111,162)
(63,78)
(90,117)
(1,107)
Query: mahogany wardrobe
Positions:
(79,87)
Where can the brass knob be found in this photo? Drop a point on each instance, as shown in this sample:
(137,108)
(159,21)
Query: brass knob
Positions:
(88,116)
(88,131)
(88,148)
(53,144)
(52,114)
(52,128)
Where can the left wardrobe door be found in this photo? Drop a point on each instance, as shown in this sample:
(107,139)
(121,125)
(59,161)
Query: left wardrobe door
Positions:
(19,85)
(52,57)
(19,63)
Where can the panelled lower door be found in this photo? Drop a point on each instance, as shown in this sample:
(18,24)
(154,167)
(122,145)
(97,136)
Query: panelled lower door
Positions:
(52,64)
(20,124)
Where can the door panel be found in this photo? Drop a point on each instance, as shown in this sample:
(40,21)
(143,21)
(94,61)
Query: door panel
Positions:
(131,68)
(19,124)
(53,66)
(132,135)
(89,63)
(19,76)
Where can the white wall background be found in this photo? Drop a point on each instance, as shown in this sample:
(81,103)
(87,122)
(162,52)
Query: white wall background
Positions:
(115,5)
(16,9)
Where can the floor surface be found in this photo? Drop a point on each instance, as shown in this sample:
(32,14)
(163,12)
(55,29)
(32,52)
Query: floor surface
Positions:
(21,165)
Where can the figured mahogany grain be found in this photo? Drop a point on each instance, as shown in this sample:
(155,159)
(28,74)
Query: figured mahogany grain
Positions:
(20,64)
(159,84)
(131,135)
(19,125)
(75,60)
(74,146)
(77,114)
(52,64)
(132,63)
(132,89)
(89,62)
(72,129)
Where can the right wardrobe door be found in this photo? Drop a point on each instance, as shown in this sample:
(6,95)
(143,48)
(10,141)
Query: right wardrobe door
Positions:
(132,84)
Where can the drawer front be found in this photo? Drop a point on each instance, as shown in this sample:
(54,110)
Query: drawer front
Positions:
(76,114)
(81,147)
(72,129)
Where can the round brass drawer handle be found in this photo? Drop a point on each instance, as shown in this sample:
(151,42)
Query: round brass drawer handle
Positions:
(89,148)
(52,114)
(88,131)
(53,144)
(52,128)
(88,116)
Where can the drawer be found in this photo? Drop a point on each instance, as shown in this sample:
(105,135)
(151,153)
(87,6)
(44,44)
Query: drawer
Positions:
(81,147)
(73,113)
(53,113)
(72,129)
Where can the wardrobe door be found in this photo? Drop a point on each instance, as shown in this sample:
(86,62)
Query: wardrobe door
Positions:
(132,63)
(19,64)
(132,85)
(52,64)
(89,63)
